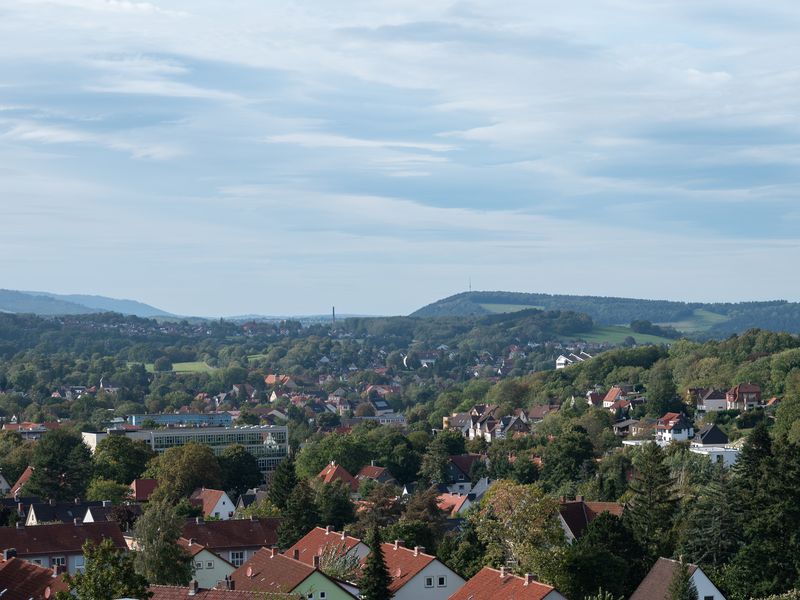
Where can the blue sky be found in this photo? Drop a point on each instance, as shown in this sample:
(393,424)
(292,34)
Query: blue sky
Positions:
(219,158)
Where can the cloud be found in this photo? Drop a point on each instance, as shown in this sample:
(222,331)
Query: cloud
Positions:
(323,140)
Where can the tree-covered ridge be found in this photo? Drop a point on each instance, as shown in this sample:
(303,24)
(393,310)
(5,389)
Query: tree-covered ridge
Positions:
(778,315)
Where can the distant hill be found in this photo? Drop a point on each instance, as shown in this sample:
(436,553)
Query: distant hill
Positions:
(49,304)
(704,319)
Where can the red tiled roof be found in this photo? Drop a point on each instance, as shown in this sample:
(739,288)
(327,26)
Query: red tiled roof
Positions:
(269,571)
(168,592)
(655,585)
(59,538)
(577,514)
(488,584)
(235,533)
(613,394)
(207,499)
(192,547)
(20,483)
(21,580)
(451,503)
(143,488)
(403,564)
(315,541)
(370,472)
(335,472)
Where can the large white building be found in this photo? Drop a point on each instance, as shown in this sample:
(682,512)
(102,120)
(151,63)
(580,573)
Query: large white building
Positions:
(269,444)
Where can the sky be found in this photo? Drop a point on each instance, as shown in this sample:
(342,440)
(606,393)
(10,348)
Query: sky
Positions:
(232,157)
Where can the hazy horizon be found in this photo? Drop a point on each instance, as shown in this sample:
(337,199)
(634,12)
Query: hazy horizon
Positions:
(242,158)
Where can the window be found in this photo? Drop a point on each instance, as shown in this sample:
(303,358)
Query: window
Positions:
(79,564)
(322,596)
(198,564)
(37,561)
(429,582)
(59,561)
(442,581)
(210,564)
(708,597)
(237,558)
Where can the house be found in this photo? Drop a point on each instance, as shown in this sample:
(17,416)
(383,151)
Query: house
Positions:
(563,361)
(613,395)
(59,545)
(194,592)
(235,540)
(23,580)
(655,585)
(209,569)
(142,489)
(721,455)
(575,515)
(538,413)
(745,396)
(5,487)
(269,571)
(58,512)
(461,422)
(375,473)
(711,400)
(336,472)
(416,574)
(710,435)
(214,503)
(623,428)
(380,406)
(321,539)
(453,505)
(459,469)
(124,515)
(488,584)
(252,496)
(673,427)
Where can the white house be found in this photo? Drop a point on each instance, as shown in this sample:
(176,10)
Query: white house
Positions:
(655,585)
(673,427)
(724,455)
(215,503)
(417,575)
(209,568)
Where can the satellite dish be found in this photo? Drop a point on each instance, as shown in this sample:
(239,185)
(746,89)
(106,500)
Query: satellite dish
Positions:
(249,571)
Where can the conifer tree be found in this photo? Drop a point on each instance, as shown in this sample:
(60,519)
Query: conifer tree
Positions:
(682,587)
(283,482)
(375,578)
(299,517)
(653,502)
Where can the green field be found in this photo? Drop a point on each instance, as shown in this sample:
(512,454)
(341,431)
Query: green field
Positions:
(507,308)
(701,320)
(616,334)
(185,367)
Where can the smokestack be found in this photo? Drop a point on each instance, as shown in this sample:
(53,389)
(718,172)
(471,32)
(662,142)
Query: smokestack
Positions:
(529,578)
(316,561)
(296,554)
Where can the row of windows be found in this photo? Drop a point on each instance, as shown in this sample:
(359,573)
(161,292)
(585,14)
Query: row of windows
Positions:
(441,581)
(199,565)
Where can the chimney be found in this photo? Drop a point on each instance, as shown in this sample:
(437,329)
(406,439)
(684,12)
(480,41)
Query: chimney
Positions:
(327,529)
(194,587)
(77,500)
(529,578)
(579,498)
(9,553)
(76,521)
(198,520)
(419,550)
(272,552)
(231,584)
(343,536)
(502,572)
(106,503)
(397,544)
(52,502)
(296,554)
(191,541)
(20,524)
(316,561)
(252,517)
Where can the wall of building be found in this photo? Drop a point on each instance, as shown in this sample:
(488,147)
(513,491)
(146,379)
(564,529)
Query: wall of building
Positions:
(417,590)
(210,568)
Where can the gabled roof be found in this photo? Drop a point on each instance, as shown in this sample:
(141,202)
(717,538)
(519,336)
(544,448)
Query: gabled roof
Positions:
(373,472)
(745,388)
(614,394)
(315,541)
(61,538)
(451,503)
(168,592)
(20,483)
(713,394)
(61,512)
(207,499)
(142,488)
(234,533)
(22,580)
(269,571)
(489,584)
(101,513)
(336,472)
(577,514)
(404,564)
(655,585)
(711,435)
(464,462)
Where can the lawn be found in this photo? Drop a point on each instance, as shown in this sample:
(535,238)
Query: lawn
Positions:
(616,334)
(507,308)
(701,320)
(186,367)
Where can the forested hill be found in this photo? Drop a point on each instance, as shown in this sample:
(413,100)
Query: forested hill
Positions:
(49,304)
(710,319)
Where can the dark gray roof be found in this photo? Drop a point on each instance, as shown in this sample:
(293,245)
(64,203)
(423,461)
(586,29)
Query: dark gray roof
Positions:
(61,512)
(711,435)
